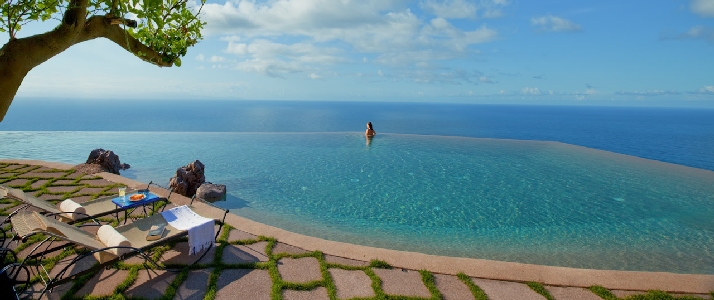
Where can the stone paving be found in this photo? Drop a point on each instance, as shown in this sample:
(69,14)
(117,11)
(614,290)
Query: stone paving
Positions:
(245,266)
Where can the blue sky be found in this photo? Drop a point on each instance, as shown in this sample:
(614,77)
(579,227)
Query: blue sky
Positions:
(653,53)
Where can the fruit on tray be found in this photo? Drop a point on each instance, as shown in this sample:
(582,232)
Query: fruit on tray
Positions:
(136,197)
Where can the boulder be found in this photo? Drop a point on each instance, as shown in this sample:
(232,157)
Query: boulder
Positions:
(211,192)
(89,168)
(188,178)
(107,160)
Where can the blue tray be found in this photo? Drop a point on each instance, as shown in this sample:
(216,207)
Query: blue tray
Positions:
(150,198)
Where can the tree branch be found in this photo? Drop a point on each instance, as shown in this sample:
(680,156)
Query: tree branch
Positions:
(76,13)
(100,26)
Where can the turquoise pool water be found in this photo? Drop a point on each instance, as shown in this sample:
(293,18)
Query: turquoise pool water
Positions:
(524,201)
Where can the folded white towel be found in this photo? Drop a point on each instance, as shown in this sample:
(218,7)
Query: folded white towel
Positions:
(201,233)
(72,210)
(111,238)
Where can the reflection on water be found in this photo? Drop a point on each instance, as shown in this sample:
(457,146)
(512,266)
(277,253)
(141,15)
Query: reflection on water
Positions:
(525,201)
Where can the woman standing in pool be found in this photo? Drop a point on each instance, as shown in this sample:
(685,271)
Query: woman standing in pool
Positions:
(370,131)
(369,134)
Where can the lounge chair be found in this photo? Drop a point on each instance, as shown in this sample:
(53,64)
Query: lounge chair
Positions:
(92,209)
(27,223)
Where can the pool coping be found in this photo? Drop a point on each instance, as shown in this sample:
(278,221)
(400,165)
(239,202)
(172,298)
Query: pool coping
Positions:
(480,268)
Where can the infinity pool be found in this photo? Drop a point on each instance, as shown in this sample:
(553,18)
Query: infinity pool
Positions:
(523,201)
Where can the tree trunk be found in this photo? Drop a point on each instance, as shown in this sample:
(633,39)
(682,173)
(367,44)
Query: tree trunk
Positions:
(19,56)
(11,75)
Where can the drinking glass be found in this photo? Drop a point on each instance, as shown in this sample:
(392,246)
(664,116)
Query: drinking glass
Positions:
(122,192)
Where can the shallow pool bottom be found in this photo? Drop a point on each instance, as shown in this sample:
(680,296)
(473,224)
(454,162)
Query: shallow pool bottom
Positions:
(524,201)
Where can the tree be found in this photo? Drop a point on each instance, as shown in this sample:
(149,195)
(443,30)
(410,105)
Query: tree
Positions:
(157,31)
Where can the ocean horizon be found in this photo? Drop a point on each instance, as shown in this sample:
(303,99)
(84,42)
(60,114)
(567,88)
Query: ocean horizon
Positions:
(683,136)
(552,185)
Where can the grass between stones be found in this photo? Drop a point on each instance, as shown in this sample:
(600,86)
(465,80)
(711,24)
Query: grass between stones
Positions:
(478,293)
(650,295)
(10,172)
(602,292)
(540,289)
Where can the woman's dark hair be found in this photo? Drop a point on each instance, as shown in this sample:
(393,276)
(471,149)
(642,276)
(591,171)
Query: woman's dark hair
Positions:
(369,125)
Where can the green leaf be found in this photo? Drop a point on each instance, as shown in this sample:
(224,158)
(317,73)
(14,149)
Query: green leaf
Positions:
(177,62)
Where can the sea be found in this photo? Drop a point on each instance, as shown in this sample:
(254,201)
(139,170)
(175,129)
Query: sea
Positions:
(625,188)
(682,136)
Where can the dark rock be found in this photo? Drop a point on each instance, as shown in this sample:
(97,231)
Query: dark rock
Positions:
(211,192)
(107,159)
(89,168)
(188,178)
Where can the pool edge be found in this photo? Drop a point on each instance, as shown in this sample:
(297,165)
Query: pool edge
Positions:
(480,268)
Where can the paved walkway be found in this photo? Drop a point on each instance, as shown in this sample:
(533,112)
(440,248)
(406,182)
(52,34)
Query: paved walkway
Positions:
(248,264)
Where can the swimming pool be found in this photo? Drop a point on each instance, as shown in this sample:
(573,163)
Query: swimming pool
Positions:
(524,201)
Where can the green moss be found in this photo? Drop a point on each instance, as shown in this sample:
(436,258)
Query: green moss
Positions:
(379,264)
(659,295)
(77,284)
(212,287)
(223,237)
(428,279)
(478,293)
(173,287)
(376,283)
(30,242)
(277,287)
(130,279)
(328,283)
(343,267)
(540,289)
(602,292)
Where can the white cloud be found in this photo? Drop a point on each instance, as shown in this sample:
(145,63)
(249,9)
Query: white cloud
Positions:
(704,8)
(492,9)
(286,17)
(273,67)
(200,57)
(452,9)
(303,52)
(484,79)
(386,28)
(215,58)
(530,91)
(706,90)
(380,73)
(441,32)
(314,76)
(694,33)
(457,9)
(232,38)
(647,93)
(553,23)
(276,59)
(436,75)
